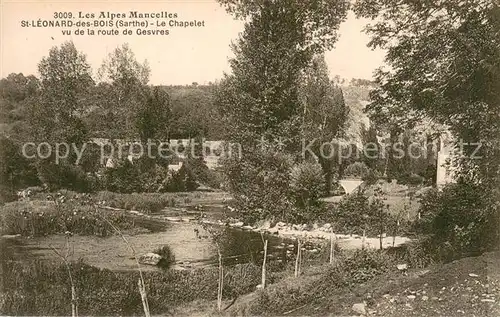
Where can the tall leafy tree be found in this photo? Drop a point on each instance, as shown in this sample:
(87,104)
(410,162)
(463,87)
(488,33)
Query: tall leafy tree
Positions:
(444,60)
(260,100)
(66,80)
(324,116)
(127,89)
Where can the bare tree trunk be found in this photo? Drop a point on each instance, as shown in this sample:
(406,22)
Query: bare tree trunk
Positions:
(264,266)
(74,299)
(142,287)
(363,241)
(144,299)
(221,280)
(299,258)
(333,241)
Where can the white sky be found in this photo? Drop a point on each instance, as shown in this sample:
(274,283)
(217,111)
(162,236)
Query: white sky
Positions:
(182,57)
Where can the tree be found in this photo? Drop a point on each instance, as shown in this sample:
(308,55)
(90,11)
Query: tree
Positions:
(127,90)
(453,46)
(324,115)
(66,80)
(260,100)
(153,115)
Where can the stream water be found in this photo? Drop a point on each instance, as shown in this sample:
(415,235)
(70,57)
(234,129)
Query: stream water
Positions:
(191,249)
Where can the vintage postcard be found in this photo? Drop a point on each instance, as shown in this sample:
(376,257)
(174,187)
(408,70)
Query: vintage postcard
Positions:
(250,158)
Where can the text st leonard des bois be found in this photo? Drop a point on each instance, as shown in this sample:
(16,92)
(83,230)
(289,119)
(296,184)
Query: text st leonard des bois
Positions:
(114,23)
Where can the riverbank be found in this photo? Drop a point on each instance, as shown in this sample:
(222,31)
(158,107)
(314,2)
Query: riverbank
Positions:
(314,233)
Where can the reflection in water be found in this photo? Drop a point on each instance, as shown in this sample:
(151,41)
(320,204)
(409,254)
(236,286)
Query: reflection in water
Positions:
(237,246)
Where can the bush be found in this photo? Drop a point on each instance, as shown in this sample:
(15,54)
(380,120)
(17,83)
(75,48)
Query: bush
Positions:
(462,218)
(307,184)
(144,202)
(45,218)
(260,185)
(123,178)
(371,177)
(167,255)
(63,175)
(357,169)
(357,212)
(361,266)
(411,179)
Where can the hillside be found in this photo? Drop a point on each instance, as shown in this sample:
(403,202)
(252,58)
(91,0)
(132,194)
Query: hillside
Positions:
(356,98)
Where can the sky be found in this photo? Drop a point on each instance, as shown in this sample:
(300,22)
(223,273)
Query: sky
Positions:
(184,56)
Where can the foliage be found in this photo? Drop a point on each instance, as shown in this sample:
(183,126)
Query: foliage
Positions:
(123,178)
(463,217)
(15,170)
(324,115)
(66,80)
(129,103)
(348,270)
(42,288)
(307,185)
(261,100)
(64,175)
(357,169)
(263,170)
(167,256)
(455,45)
(194,113)
(357,213)
(144,202)
(45,218)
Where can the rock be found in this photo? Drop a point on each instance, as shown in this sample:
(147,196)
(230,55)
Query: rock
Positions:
(314,250)
(237,224)
(296,227)
(247,228)
(273,230)
(359,308)
(411,296)
(150,258)
(424,298)
(473,275)
(281,224)
(11,236)
(402,267)
(173,219)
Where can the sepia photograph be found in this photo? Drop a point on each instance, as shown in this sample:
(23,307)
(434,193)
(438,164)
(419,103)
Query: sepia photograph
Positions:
(250,158)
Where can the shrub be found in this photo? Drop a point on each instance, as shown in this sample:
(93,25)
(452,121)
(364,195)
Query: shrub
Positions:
(63,175)
(307,184)
(44,218)
(357,169)
(260,185)
(144,202)
(462,218)
(371,177)
(167,255)
(123,178)
(357,212)
(361,266)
